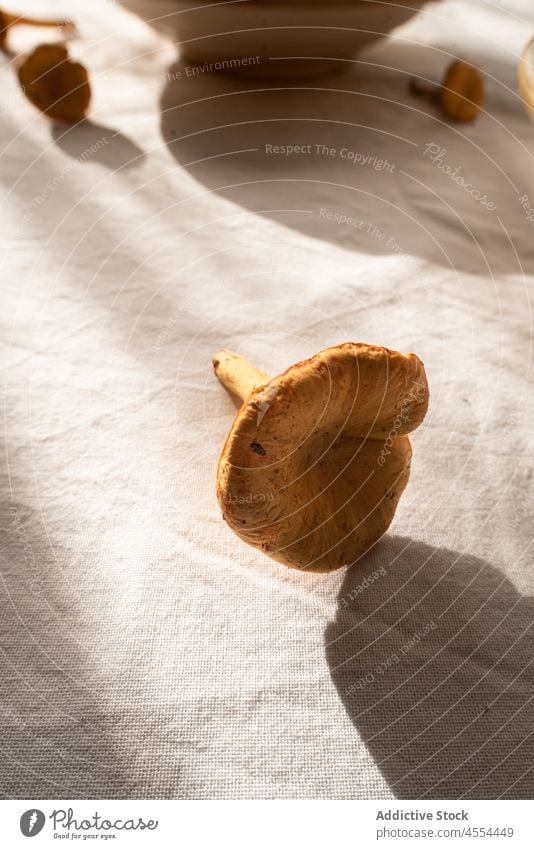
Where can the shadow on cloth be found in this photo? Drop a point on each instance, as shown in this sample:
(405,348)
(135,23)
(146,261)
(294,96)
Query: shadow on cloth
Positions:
(360,172)
(368,158)
(90,142)
(432,661)
(59,739)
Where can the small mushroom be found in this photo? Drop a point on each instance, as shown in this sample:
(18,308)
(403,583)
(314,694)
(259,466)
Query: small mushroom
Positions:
(318,457)
(55,84)
(8,21)
(460,95)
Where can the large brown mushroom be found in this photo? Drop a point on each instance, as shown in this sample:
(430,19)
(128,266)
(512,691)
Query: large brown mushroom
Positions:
(318,457)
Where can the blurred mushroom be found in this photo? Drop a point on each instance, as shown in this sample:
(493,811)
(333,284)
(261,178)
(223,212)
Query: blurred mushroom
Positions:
(55,84)
(317,458)
(8,21)
(525,74)
(461,94)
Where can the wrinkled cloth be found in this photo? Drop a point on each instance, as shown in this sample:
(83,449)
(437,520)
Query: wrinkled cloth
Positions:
(146,652)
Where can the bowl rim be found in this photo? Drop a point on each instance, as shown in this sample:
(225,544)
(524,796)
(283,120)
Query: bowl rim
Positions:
(326,4)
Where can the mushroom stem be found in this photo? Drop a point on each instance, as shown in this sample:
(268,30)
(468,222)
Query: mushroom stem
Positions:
(10,20)
(238,375)
(424,89)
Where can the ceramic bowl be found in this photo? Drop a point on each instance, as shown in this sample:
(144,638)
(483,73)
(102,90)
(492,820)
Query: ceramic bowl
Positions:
(272,38)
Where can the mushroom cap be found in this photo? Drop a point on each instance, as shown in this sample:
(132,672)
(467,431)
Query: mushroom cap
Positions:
(462,92)
(317,458)
(54,84)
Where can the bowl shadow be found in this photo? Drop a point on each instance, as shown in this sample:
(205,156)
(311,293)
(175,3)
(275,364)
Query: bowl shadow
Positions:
(431,654)
(358,174)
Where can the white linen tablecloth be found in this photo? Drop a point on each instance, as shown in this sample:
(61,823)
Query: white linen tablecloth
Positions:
(145,650)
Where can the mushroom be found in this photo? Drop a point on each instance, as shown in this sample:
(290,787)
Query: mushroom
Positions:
(8,21)
(318,457)
(461,94)
(525,73)
(55,84)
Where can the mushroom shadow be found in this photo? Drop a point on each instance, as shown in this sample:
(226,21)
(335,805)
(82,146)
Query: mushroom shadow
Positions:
(91,142)
(431,654)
